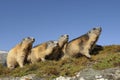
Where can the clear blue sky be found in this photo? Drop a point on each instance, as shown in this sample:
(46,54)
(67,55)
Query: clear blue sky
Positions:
(48,19)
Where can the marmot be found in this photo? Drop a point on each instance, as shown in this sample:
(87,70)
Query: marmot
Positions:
(58,52)
(83,44)
(40,51)
(19,53)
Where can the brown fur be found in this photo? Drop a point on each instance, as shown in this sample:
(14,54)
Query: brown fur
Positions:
(18,54)
(83,44)
(58,52)
(39,52)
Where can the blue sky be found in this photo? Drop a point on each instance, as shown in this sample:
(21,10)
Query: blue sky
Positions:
(48,19)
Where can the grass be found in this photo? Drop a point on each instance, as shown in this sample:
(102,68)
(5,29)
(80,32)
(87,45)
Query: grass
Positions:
(108,57)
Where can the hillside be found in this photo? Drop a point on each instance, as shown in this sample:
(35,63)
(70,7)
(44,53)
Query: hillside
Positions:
(102,58)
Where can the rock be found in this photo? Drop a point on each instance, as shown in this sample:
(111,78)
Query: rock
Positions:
(63,78)
(3,55)
(92,74)
(27,77)
(117,75)
(85,74)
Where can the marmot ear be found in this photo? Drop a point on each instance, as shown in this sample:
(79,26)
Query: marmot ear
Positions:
(94,28)
(28,37)
(23,39)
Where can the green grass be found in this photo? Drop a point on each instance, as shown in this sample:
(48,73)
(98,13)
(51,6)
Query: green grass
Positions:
(108,62)
(107,58)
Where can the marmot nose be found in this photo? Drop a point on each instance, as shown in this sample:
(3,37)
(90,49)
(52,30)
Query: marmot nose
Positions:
(33,39)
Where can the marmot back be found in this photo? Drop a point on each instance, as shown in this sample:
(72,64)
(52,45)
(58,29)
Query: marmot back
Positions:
(39,52)
(83,44)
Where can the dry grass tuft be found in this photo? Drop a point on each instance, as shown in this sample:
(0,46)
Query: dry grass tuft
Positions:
(107,57)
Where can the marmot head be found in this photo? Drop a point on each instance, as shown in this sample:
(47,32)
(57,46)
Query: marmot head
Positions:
(27,42)
(95,32)
(63,39)
(52,44)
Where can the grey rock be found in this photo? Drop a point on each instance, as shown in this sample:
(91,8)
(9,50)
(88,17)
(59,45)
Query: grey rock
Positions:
(91,74)
(27,77)
(3,55)
(86,74)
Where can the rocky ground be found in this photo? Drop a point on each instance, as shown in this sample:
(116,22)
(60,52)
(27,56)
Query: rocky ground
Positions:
(85,74)
(91,74)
